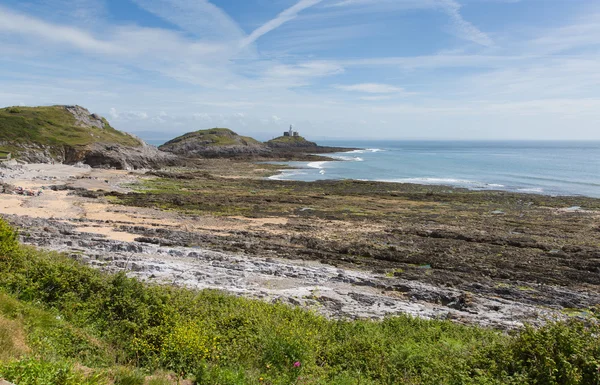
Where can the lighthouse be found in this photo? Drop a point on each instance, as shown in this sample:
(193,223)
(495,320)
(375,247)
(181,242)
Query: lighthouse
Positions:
(291,132)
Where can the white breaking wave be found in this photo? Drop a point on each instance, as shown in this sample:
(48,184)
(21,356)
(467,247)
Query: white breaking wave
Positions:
(531,190)
(365,151)
(445,181)
(286,174)
(348,158)
(318,165)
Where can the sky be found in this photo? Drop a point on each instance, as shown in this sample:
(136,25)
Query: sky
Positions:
(363,69)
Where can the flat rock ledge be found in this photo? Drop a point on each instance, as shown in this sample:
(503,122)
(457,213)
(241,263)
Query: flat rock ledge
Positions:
(331,291)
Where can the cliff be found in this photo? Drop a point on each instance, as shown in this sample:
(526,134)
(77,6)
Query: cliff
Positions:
(71,134)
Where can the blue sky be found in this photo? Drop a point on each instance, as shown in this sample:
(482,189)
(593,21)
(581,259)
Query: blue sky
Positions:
(402,69)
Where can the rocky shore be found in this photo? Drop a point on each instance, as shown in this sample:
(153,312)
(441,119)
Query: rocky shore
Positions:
(345,249)
(335,292)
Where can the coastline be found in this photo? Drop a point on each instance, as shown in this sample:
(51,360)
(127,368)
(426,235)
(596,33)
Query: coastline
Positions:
(366,168)
(370,249)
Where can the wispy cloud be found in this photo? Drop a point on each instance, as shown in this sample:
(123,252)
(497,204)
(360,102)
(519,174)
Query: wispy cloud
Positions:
(199,17)
(25,25)
(371,88)
(535,79)
(282,18)
(461,27)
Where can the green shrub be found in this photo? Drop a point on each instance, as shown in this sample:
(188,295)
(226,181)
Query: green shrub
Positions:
(159,381)
(35,372)
(129,377)
(215,375)
(9,244)
(74,313)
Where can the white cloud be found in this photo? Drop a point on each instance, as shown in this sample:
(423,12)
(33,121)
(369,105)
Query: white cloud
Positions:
(375,98)
(201,116)
(12,22)
(305,70)
(113,113)
(371,88)
(127,115)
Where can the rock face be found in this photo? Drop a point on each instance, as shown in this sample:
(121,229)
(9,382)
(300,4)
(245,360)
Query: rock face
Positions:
(84,118)
(71,134)
(216,143)
(102,155)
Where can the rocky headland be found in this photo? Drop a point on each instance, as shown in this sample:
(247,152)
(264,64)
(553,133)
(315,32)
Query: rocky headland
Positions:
(71,135)
(225,143)
(216,143)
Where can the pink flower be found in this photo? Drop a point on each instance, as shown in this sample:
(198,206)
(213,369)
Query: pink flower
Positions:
(297,364)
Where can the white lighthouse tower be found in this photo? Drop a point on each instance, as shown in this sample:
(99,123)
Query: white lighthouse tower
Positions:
(291,132)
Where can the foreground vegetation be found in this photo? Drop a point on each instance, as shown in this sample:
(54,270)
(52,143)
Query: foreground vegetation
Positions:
(64,323)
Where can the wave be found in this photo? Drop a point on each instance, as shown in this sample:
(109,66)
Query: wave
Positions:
(445,182)
(531,190)
(366,150)
(348,158)
(318,165)
(286,174)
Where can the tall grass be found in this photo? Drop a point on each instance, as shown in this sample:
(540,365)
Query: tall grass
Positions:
(78,314)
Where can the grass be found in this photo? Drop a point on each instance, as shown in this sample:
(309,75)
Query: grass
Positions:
(52,126)
(88,327)
(288,139)
(214,137)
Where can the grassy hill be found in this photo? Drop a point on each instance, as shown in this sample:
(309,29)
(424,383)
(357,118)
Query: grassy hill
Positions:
(55,127)
(64,323)
(289,139)
(215,143)
(290,143)
(214,137)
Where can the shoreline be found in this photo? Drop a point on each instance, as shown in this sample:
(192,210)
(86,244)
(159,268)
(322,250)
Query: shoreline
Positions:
(380,248)
(283,175)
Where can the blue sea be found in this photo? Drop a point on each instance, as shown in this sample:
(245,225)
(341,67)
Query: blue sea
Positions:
(551,168)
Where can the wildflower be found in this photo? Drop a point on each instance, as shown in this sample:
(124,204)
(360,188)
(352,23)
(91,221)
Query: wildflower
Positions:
(297,364)
(261,379)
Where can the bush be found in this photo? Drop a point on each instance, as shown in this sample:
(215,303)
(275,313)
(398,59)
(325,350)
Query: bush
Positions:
(112,320)
(129,377)
(35,372)
(9,244)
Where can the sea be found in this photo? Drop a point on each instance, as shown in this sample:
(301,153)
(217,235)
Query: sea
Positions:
(540,167)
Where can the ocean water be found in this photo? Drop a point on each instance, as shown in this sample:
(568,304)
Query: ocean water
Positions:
(551,168)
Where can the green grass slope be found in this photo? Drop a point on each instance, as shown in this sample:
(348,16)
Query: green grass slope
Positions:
(53,126)
(64,323)
(290,142)
(288,139)
(213,137)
